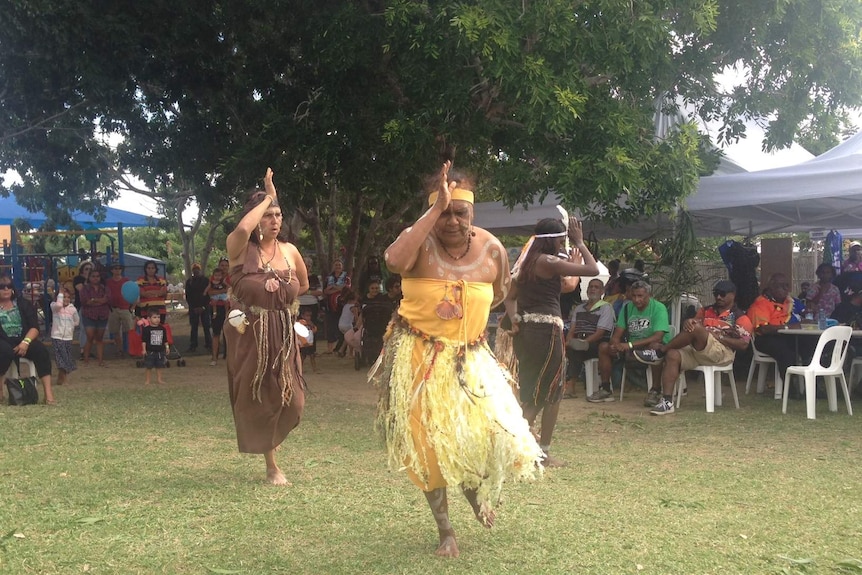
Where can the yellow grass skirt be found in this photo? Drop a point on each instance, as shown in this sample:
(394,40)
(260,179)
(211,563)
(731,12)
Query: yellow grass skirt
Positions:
(450,417)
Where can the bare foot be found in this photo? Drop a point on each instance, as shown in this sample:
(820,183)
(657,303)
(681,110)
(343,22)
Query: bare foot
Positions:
(276,477)
(448,546)
(161,382)
(486,517)
(484,514)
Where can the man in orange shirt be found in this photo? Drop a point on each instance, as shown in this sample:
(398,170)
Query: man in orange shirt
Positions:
(770,312)
(712,337)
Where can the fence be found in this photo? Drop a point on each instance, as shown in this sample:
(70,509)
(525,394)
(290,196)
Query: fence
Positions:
(804,264)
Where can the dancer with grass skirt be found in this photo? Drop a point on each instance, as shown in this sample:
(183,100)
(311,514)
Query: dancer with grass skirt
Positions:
(446,406)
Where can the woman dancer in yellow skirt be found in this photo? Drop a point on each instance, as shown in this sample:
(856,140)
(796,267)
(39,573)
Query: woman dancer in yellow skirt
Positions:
(446,406)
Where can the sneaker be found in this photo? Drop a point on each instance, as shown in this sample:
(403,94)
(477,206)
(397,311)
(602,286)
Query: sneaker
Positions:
(653,398)
(212,363)
(663,407)
(649,356)
(600,395)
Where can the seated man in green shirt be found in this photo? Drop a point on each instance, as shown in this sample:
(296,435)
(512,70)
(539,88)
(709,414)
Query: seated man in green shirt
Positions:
(641,323)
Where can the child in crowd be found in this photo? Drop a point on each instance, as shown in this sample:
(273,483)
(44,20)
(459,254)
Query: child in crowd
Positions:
(347,321)
(306,344)
(155,338)
(217,292)
(65,320)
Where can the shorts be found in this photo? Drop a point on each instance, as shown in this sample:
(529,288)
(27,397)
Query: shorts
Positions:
(307,351)
(715,353)
(120,320)
(156,359)
(94,323)
(219,313)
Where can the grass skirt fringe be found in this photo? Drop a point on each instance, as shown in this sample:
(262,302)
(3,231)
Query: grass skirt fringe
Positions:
(467,413)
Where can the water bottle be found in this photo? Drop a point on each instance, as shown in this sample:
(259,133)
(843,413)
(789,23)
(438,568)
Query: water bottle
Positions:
(821,319)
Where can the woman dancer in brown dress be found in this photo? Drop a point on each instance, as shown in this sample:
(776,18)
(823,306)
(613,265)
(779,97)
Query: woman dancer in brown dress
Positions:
(267,391)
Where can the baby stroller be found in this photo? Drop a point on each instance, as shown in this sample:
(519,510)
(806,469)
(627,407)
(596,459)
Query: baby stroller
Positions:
(375,317)
(136,346)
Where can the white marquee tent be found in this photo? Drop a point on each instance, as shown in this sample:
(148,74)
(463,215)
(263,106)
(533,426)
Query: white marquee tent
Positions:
(822,193)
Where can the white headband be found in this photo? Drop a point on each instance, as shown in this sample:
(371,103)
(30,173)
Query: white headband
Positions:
(555,235)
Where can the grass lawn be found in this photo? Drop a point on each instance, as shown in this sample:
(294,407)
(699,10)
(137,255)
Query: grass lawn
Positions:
(120,478)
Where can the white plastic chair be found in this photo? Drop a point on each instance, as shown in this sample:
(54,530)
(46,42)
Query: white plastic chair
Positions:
(762,361)
(591,374)
(625,373)
(711,385)
(840,334)
(14,370)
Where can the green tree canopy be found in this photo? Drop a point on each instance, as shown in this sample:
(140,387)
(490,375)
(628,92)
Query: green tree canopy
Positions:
(351,103)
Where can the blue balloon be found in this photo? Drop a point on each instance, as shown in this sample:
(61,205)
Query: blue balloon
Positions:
(131,292)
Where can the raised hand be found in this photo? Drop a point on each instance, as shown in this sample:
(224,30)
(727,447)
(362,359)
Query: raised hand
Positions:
(444,192)
(268,185)
(576,230)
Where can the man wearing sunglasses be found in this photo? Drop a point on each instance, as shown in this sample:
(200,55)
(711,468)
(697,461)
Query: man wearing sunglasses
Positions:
(712,337)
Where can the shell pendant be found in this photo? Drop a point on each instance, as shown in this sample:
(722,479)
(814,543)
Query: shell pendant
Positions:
(447,309)
(271,285)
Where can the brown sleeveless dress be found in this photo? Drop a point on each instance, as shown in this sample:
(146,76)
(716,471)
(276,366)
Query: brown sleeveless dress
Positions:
(267,391)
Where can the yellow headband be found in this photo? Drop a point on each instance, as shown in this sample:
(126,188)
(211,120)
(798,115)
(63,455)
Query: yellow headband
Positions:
(457,194)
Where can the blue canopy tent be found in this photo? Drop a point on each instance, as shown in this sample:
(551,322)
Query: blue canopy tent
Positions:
(11,211)
(114,219)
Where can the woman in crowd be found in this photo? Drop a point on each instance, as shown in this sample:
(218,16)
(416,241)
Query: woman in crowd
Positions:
(310,300)
(78,283)
(336,281)
(823,295)
(94,313)
(19,336)
(264,370)
(154,291)
(393,290)
(347,322)
(853,263)
(533,305)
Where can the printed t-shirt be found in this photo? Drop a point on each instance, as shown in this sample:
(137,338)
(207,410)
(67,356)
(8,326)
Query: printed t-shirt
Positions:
(642,324)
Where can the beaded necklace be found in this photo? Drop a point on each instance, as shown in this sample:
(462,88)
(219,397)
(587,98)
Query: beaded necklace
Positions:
(466,251)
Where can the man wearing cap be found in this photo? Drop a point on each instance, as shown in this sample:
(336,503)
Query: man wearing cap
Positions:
(642,323)
(120,320)
(712,337)
(198,303)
